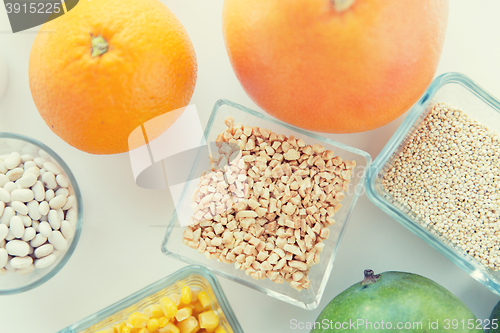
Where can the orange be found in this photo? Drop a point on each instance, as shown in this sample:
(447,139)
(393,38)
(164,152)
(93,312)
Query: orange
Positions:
(108,66)
(337,66)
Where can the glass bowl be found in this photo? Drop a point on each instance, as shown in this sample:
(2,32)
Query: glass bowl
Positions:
(457,90)
(307,298)
(10,281)
(197,278)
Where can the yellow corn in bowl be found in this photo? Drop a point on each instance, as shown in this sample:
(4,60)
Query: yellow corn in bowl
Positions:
(188,301)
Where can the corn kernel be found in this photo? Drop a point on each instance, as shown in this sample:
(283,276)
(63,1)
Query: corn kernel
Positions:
(143,330)
(153,324)
(176,298)
(186,295)
(168,307)
(189,325)
(197,307)
(169,328)
(138,320)
(163,321)
(220,329)
(184,313)
(204,299)
(153,311)
(125,329)
(118,327)
(208,319)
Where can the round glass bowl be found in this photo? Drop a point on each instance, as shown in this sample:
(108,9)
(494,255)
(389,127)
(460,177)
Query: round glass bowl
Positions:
(14,281)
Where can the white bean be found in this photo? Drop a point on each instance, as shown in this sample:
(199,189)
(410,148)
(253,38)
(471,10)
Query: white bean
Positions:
(45,261)
(62,180)
(17,226)
(49,195)
(4,195)
(19,207)
(51,167)
(67,229)
(26,270)
(62,191)
(35,224)
(44,207)
(54,219)
(39,161)
(15,174)
(10,236)
(71,214)
(8,212)
(4,231)
(2,207)
(60,212)
(49,179)
(30,164)
(27,180)
(29,234)
(10,186)
(38,240)
(57,239)
(17,248)
(4,257)
(3,169)
(45,230)
(26,220)
(21,262)
(27,158)
(34,210)
(38,191)
(58,202)
(12,160)
(44,250)
(3,179)
(71,201)
(22,194)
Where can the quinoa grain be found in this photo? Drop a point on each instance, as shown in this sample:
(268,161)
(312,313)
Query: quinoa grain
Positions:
(448,174)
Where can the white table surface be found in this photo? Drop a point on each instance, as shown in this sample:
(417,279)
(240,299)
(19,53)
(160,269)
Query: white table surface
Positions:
(119,249)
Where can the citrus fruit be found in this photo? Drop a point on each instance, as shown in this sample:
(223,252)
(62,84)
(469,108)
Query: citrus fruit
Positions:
(339,66)
(108,66)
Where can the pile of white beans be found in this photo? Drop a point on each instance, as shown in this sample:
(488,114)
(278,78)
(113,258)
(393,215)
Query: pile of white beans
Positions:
(38,212)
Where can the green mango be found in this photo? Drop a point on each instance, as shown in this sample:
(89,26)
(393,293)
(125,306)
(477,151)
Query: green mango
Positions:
(494,324)
(396,302)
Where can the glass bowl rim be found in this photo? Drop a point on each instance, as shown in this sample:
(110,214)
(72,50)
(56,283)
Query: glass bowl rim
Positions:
(416,111)
(314,135)
(79,203)
(155,287)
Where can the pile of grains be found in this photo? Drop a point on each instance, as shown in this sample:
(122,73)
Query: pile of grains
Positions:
(448,174)
(269,211)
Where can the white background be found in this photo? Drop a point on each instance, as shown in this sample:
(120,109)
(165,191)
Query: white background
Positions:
(119,249)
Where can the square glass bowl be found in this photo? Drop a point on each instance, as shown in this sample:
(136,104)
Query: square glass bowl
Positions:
(457,90)
(197,278)
(17,282)
(319,273)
